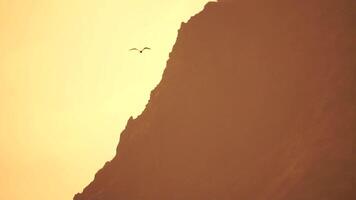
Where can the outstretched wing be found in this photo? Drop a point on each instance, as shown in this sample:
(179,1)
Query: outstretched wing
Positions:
(146,48)
(134,49)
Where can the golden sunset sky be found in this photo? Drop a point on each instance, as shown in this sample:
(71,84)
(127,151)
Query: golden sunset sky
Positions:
(68,85)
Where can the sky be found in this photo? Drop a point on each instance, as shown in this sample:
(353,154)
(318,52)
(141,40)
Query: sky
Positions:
(68,85)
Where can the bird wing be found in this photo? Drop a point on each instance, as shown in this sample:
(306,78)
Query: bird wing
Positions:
(146,48)
(134,49)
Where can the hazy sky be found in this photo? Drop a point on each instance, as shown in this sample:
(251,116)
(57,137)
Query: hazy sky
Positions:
(68,84)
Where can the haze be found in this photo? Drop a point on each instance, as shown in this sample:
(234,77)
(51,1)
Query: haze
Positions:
(68,84)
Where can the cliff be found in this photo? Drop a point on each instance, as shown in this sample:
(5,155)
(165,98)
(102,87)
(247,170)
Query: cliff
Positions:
(258,101)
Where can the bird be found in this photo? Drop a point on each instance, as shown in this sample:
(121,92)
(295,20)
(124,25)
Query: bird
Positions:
(141,49)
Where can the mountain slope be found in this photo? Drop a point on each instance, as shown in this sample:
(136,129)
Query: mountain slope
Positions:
(257,102)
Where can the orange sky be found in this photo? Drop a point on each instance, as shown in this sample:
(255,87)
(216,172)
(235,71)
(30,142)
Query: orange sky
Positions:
(68,84)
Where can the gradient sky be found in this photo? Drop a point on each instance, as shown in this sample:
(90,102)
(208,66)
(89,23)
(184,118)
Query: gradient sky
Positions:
(68,85)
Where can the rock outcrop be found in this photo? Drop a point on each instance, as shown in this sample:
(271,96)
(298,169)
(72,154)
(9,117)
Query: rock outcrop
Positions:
(257,102)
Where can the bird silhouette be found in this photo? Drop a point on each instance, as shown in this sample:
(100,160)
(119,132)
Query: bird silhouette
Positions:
(133,49)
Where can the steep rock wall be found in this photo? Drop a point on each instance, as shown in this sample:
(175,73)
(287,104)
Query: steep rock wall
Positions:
(257,102)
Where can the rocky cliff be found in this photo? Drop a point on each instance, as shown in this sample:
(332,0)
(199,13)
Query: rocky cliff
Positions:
(258,101)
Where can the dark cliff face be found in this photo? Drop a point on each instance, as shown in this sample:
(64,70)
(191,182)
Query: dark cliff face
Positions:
(258,101)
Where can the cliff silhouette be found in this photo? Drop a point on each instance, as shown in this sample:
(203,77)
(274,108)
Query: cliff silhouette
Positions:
(257,102)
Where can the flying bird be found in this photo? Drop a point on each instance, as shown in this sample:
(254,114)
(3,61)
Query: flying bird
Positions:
(135,49)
